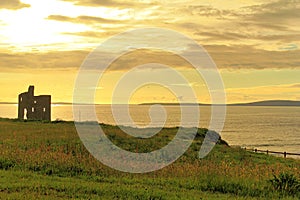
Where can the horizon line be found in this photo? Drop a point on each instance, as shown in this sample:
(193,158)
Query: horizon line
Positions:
(166,103)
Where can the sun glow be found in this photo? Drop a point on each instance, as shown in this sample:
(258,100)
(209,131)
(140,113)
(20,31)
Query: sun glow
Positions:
(28,29)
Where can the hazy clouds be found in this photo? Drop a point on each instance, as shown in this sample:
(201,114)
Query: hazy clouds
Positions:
(82,19)
(46,60)
(240,35)
(109,3)
(12,4)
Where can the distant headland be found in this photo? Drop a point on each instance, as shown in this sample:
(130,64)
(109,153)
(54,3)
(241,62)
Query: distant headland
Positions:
(258,103)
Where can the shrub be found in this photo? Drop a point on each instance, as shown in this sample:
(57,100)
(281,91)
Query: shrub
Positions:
(285,183)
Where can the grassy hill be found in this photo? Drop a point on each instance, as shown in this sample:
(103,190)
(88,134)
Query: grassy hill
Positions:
(48,161)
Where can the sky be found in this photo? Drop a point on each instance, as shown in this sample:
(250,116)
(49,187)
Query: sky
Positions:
(254,44)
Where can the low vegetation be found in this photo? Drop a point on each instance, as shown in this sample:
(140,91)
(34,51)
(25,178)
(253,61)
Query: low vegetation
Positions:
(49,161)
(286,183)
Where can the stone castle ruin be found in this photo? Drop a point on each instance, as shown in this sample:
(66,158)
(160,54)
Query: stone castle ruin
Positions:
(34,107)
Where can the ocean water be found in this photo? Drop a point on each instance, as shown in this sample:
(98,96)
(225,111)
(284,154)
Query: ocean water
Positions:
(262,127)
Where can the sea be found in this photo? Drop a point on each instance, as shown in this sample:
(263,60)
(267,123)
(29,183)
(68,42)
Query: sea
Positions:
(273,128)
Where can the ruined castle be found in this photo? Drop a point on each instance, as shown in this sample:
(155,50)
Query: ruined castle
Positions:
(34,107)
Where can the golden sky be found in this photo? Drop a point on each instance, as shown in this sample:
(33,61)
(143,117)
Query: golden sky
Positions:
(254,43)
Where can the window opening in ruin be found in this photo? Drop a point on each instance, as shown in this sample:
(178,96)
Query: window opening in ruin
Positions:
(25,113)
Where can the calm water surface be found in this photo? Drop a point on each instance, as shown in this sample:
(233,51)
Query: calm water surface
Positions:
(272,128)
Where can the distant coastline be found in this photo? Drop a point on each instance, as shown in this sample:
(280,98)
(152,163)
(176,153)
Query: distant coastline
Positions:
(269,103)
(257,103)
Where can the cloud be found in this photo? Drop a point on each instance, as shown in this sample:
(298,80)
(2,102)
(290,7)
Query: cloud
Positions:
(82,19)
(246,25)
(221,36)
(49,60)
(296,85)
(210,11)
(107,3)
(277,21)
(73,60)
(225,57)
(145,56)
(93,34)
(12,4)
(229,35)
(274,7)
(281,12)
(248,57)
(289,47)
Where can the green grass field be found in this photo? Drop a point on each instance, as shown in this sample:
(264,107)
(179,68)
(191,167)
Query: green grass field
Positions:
(48,161)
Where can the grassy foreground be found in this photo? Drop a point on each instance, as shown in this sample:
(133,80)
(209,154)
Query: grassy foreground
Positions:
(48,161)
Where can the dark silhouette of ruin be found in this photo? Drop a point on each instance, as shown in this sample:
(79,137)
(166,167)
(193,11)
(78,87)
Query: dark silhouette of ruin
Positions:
(34,107)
